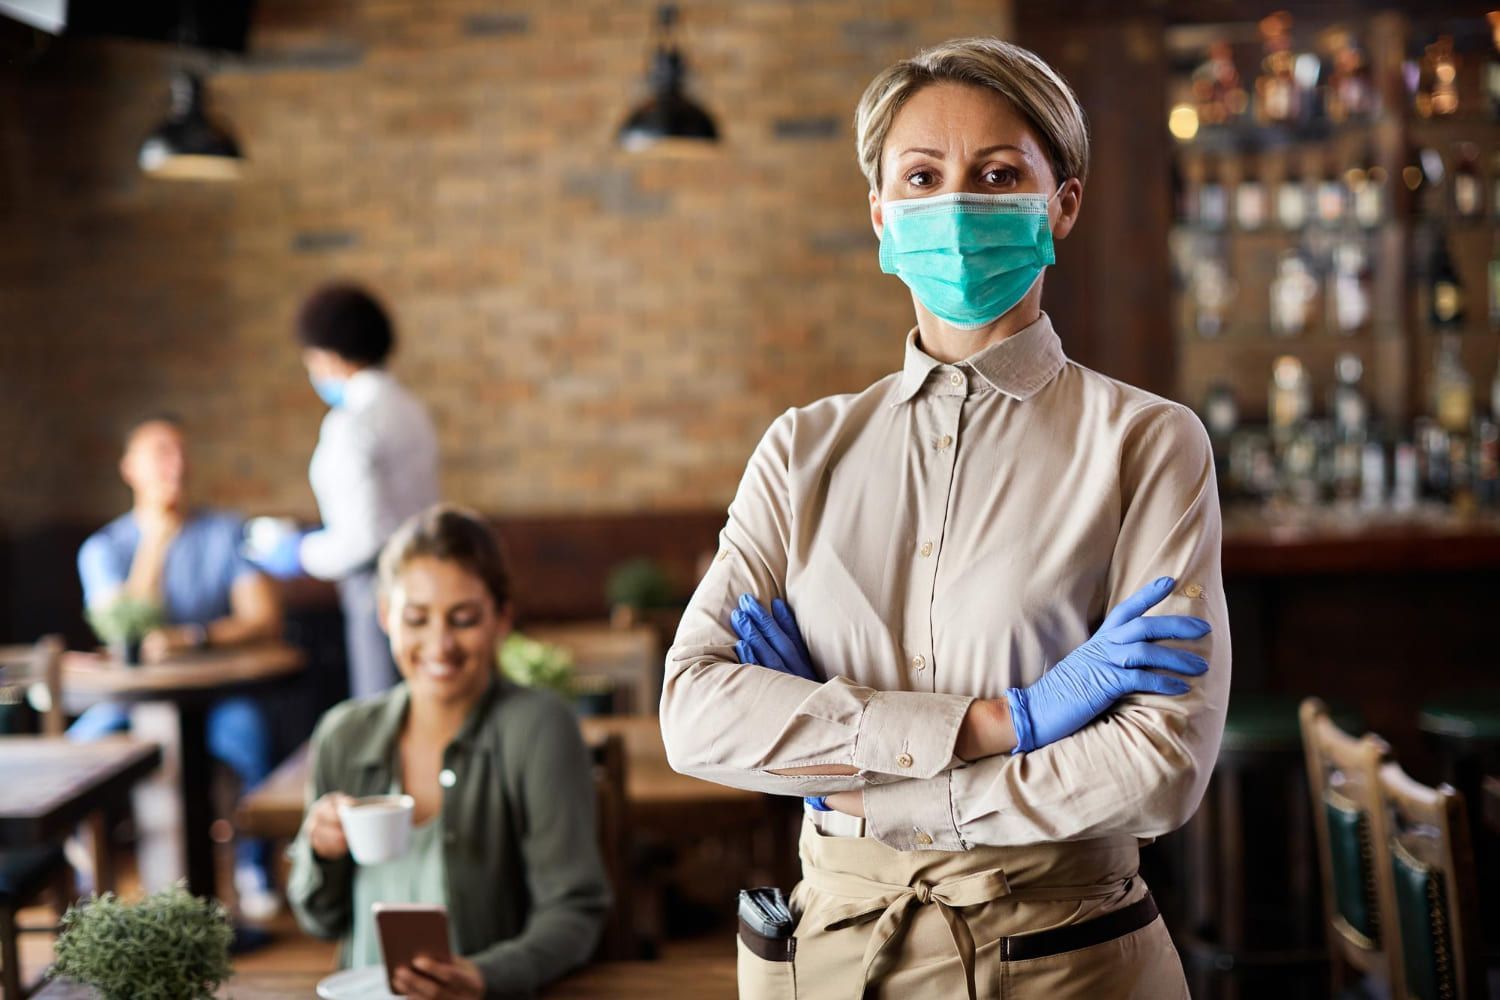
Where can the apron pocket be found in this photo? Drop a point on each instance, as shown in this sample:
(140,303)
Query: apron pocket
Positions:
(766,968)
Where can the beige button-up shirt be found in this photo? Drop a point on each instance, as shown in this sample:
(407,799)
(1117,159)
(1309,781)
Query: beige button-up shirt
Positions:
(951,532)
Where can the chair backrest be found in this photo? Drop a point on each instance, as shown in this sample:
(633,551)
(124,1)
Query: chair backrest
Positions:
(1436,916)
(34,673)
(618,942)
(1342,777)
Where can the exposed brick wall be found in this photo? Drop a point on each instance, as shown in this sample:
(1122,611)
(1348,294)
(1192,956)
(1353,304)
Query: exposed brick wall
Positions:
(593,330)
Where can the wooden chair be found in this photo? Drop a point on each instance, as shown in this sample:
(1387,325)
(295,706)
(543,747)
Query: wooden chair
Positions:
(34,673)
(1358,892)
(31,673)
(619,941)
(1434,923)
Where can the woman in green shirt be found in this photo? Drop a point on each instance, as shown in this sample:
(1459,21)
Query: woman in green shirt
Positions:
(504,832)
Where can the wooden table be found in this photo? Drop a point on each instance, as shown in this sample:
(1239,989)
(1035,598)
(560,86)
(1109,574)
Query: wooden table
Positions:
(698,978)
(183,689)
(49,785)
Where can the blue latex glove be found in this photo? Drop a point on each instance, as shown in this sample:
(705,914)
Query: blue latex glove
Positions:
(285,560)
(1114,663)
(771,638)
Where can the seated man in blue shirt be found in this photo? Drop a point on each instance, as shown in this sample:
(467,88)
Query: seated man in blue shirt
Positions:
(188,563)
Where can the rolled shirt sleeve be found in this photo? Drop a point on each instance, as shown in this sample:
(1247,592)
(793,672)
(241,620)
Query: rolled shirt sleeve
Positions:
(1142,767)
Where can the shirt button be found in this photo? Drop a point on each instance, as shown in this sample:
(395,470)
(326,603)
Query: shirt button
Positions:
(920,662)
(904,760)
(447,778)
(944,441)
(923,838)
(956,379)
(926,548)
(1192,590)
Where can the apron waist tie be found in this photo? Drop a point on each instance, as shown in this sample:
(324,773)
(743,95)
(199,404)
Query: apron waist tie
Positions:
(895,902)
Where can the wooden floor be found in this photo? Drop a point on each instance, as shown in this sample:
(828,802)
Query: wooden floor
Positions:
(292,951)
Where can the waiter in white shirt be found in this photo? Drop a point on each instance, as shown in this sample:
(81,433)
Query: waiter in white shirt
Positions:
(376,464)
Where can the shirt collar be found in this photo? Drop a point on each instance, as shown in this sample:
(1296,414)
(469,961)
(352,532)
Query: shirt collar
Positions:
(1019,366)
(375,749)
(362,386)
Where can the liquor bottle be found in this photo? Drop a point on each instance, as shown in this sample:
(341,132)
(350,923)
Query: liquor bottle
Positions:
(1218,95)
(1468,192)
(1290,399)
(1250,198)
(1406,477)
(1351,90)
(1445,300)
(1212,289)
(1275,87)
(1367,183)
(1437,86)
(1294,291)
(1414,180)
(1331,195)
(1487,463)
(1349,290)
(1372,475)
(1291,199)
(1433,456)
(1452,391)
(1221,416)
(1350,420)
(1213,201)
(1351,413)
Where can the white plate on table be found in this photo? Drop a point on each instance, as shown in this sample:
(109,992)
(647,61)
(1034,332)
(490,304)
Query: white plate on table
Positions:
(356,984)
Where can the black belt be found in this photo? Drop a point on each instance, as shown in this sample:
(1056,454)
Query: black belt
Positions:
(1075,936)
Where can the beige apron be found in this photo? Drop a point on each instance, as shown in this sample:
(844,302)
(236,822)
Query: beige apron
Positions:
(895,924)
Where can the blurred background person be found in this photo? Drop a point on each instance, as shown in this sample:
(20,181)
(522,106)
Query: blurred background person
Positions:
(186,562)
(376,464)
(504,833)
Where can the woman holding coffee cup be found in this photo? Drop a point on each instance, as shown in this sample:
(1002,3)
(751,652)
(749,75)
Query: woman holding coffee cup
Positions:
(455,787)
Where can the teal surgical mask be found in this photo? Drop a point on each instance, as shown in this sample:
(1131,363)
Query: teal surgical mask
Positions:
(330,390)
(969,258)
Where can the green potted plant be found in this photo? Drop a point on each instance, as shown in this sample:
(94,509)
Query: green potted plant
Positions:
(122,624)
(170,945)
(635,587)
(531,663)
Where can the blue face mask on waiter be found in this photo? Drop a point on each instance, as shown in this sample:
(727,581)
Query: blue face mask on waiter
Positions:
(969,258)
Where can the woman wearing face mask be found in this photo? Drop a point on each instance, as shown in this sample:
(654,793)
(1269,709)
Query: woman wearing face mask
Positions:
(504,833)
(375,466)
(971,693)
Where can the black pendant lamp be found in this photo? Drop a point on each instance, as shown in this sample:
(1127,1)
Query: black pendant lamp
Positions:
(668,115)
(188,146)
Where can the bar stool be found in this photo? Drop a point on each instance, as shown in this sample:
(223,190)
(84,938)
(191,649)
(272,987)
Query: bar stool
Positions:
(1463,729)
(1242,940)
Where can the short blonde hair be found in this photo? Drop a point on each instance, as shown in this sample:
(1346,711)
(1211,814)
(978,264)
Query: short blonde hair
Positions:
(1016,74)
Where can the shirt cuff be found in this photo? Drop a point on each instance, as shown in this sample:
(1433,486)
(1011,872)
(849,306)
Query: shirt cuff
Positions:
(909,734)
(913,815)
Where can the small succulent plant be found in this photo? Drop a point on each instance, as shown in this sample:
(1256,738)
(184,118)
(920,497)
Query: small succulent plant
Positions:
(169,946)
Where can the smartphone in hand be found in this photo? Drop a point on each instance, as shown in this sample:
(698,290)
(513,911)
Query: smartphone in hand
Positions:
(408,930)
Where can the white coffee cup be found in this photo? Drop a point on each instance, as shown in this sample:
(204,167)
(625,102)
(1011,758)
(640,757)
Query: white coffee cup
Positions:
(377,827)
